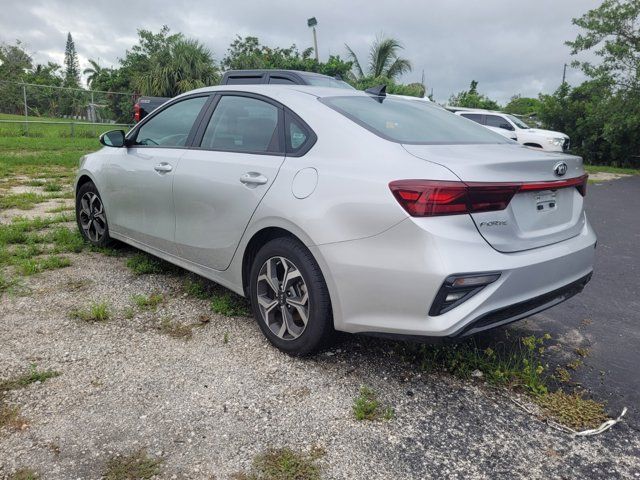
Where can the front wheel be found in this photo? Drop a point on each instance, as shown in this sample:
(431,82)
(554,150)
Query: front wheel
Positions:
(289,297)
(91,216)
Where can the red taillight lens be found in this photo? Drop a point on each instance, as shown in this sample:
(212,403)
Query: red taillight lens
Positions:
(429,198)
(136,112)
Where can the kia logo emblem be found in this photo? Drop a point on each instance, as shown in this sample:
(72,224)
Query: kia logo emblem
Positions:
(560,169)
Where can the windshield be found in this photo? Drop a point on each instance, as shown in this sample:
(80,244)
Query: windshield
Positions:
(517,122)
(327,82)
(411,122)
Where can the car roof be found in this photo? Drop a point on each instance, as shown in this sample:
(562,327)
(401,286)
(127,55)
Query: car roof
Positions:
(258,71)
(270,89)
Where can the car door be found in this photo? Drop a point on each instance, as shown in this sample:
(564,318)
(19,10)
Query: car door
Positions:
(139,179)
(220,181)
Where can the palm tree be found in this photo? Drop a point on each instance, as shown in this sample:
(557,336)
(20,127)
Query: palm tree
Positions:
(384,60)
(186,64)
(92,72)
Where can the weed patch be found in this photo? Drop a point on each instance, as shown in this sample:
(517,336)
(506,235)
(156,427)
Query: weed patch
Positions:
(195,288)
(22,201)
(367,407)
(10,417)
(22,381)
(25,474)
(148,302)
(572,409)
(230,305)
(143,264)
(175,329)
(284,464)
(32,266)
(95,313)
(132,467)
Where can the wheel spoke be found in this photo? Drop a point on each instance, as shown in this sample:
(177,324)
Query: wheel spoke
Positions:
(267,304)
(290,275)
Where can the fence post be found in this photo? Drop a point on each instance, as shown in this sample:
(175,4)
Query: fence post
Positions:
(73,129)
(92,112)
(26,111)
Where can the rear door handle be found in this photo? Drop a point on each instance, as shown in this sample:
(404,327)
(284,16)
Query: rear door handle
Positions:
(253,178)
(163,167)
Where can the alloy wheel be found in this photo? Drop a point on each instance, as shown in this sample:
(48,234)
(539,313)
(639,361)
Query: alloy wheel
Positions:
(283,298)
(92,219)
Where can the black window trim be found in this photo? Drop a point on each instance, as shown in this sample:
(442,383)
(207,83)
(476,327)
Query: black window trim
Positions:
(131,135)
(204,123)
(481,115)
(308,144)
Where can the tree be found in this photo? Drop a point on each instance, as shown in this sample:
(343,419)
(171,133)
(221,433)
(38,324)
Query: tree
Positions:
(473,99)
(248,53)
(613,30)
(519,105)
(71,67)
(384,60)
(183,65)
(92,72)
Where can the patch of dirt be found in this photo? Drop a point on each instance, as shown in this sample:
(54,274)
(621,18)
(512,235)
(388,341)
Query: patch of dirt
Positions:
(38,210)
(606,177)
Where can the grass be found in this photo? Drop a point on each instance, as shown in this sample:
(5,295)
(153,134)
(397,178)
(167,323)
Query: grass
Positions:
(32,266)
(95,313)
(609,169)
(367,407)
(52,187)
(144,264)
(22,201)
(196,289)
(284,464)
(137,465)
(10,417)
(175,329)
(148,302)
(22,381)
(230,305)
(25,474)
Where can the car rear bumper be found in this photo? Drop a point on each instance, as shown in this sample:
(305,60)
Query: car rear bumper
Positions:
(386,284)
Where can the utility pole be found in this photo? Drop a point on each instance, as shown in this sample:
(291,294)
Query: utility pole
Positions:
(564,73)
(26,109)
(312,22)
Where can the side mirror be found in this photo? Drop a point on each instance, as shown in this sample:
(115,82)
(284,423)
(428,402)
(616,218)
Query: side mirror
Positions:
(112,138)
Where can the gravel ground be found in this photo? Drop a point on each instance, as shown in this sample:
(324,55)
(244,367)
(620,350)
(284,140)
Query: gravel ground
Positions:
(207,407)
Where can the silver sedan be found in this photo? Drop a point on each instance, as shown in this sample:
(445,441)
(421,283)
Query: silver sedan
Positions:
(335,209)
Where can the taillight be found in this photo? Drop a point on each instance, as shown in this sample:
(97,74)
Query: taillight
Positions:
(136,112)
(429,198)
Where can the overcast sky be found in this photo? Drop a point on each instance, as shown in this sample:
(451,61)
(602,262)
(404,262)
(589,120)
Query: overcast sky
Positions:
(507,46)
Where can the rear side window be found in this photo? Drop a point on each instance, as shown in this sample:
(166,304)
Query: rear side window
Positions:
(171,127)
(411,122)
(299,137)
(472,116)
(281,81)
(243,124)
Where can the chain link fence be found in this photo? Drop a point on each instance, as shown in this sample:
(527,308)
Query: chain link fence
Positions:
(44,110)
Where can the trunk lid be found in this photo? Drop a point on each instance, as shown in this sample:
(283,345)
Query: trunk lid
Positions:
(533,218)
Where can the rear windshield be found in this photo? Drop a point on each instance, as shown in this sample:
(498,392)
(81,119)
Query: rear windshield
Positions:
(411,121)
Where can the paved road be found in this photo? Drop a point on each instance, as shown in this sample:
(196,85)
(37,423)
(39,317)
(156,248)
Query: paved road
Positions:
(606,317)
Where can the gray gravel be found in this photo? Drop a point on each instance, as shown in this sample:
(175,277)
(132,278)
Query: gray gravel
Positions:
(206,407)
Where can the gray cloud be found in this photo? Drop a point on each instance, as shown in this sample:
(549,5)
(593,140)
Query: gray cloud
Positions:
(508,47)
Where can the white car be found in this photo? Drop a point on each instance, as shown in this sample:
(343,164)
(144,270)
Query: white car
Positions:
(334,209)
(511,126)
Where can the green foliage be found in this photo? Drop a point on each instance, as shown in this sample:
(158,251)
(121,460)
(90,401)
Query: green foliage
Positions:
(384,60)
(473,99)
(25,474)
(573,410)
(284,464)
(248,53)
(525,106)
(148,302)
(71,67)
(143,263)
(231,305)
(96,312)
(22,381)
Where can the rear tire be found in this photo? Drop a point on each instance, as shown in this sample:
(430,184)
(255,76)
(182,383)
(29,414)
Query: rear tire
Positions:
(289,297)
(91,216)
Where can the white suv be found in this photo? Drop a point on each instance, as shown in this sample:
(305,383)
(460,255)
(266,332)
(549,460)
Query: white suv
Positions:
(531,137)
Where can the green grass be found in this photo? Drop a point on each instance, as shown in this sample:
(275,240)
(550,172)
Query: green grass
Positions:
(572,409)
(25,474)
(175,329)
(52,187)
(144,264)
(148,302)
(21,381)
(609,169)
(96,312)
(195,288)
(137,465)
(284,464)
(22,201)
(231,305)
(32,266)
(367,407)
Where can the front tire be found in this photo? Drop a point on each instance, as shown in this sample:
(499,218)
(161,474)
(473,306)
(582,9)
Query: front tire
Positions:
(91,216)
(289,297)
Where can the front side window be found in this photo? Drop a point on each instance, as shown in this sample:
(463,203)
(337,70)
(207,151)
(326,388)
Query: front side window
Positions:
(473,116)
(243,124)
(518,123)
(499,122)
(171,127)
(411,122)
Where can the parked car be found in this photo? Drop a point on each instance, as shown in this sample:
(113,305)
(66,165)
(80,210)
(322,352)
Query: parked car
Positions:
(332,208)
(525,135)
(146,105)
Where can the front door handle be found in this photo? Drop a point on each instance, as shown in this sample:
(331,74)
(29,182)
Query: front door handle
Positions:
(163,167)
(253,178)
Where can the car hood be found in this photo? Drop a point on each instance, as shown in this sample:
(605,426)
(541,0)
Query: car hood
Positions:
(546,133)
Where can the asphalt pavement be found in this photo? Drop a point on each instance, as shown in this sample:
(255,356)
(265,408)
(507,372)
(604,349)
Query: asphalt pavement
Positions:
(605,319)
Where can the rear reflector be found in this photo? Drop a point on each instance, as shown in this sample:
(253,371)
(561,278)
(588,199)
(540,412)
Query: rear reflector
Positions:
(136,112)
(429,198)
